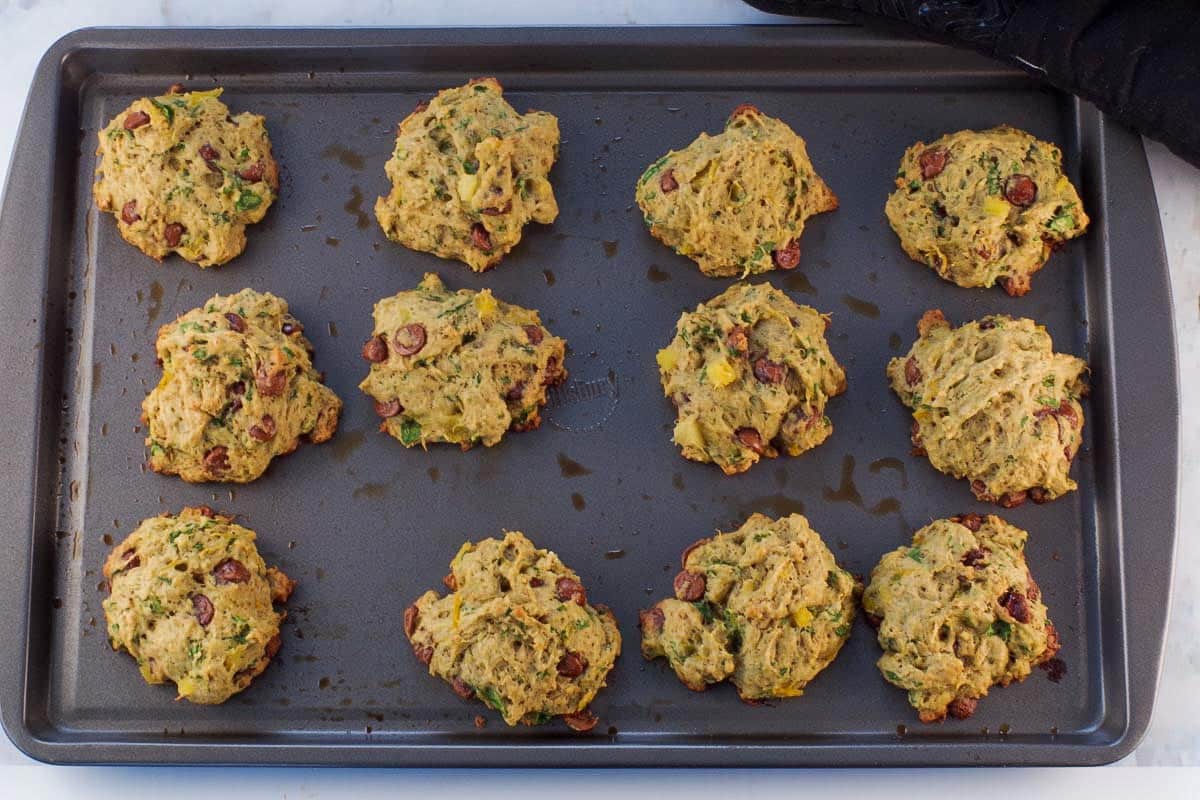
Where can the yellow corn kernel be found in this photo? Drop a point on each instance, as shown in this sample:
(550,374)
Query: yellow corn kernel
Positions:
(703,175)
(165,379)
(462,551)
(185,686)
(196,98)
(457,610)
(485,304)
(687,434)
(788,691)
(467,186)
(996,207)
(667,359)
(721,372)
(802,617)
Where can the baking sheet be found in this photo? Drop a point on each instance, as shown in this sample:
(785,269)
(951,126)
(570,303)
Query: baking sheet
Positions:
(366,526)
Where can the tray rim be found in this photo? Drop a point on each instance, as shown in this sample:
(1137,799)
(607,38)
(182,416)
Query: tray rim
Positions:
(1111,153)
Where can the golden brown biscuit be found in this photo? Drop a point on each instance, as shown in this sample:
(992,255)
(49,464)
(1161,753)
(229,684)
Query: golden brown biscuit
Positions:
(958,612)
(238,389)
(749,373)
(468,173)
(459,367)
(517,632)
(765,606)
(984,207)
(735,203)
(181,175)
(192,601)
(993,403)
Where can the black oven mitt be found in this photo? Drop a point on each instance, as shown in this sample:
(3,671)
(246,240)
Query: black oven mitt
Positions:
(1137,60)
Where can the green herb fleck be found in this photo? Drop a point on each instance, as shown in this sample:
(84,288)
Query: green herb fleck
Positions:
(993,176)
(243,631)
(652,170)
(410,431)
(1063,220)
(454,309)
(493,699)
(247,200)
(999,628)
(733,630)
(166,110)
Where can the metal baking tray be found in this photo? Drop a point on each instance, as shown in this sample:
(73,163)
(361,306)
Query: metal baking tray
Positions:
(366,526)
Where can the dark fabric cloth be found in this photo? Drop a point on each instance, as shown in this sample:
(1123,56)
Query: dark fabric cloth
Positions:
(1137,60)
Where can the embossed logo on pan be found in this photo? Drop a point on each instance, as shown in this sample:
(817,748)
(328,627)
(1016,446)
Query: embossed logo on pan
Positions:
(585,401)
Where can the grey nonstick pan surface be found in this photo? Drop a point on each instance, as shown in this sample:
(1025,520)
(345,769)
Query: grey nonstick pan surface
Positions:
(366,526)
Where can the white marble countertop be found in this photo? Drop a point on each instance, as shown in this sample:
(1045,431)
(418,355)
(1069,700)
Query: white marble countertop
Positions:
(28,27)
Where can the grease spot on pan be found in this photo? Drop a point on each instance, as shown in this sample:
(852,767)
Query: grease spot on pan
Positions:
(798,282)
(1056,669)
(846,492)
(880,464)
(372,490)
(656,275)
(571,468)
(344,156)
(354,207)
(888,505)
(156,296)
(861,307)
(346,443)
